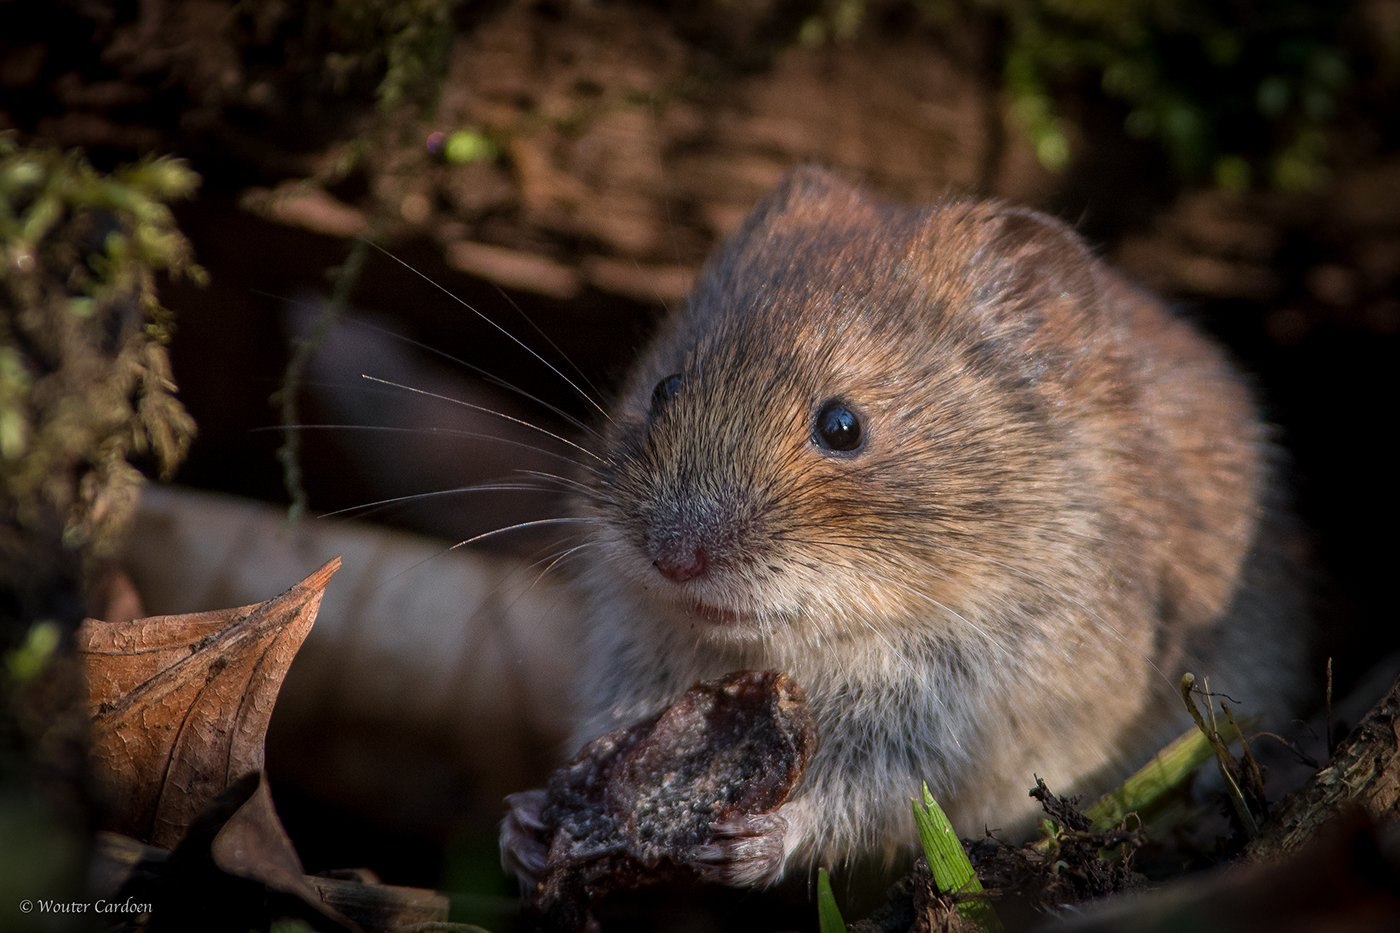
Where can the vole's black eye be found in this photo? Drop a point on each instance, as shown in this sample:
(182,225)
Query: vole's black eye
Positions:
(665,390)
(837,428)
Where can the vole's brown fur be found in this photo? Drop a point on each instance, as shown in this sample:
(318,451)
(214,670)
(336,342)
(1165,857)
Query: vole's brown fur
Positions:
(1064,498)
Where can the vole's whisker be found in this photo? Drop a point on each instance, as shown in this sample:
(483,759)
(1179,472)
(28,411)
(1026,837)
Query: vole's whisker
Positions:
(564,482)
(514,339)
(988,639)
(485,374)
(484,410)
(547,339)
(432,431)
(557,559)
(366,507)
(872,548)
(518,526)
(873,544)
(1060,592)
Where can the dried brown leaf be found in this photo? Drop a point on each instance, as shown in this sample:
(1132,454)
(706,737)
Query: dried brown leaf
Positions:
(180,704)
(236,870)
(252,844)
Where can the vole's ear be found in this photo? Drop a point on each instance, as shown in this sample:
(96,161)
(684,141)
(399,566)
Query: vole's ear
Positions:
(1023,275)
(796,229)
(808,183)
(1033,256)
(807,196)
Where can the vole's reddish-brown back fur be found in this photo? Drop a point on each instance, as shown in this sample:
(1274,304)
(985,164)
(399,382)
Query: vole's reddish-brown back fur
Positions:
(1064,498)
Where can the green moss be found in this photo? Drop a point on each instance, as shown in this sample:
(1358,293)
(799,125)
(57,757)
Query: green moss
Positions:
(407,42)
(469,145)
(1235,94)
(1217,87)
(31,658)
(406,47)
(85,381)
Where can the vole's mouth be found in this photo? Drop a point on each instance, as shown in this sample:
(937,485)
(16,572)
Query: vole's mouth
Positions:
(720,615)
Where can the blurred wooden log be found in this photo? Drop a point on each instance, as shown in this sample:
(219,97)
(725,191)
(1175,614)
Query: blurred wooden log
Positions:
(435,681)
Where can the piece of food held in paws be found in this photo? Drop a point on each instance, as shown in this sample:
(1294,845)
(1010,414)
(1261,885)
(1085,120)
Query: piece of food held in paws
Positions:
(687,794)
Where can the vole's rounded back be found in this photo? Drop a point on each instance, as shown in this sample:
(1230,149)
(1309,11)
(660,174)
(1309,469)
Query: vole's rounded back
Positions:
(981,497)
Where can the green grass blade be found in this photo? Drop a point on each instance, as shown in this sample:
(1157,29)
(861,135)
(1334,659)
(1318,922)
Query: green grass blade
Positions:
(828,914)
(952,872)
(1159,777)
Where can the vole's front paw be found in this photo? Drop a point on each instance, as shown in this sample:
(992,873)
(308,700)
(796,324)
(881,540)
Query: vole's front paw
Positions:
(744,851)
(523,848)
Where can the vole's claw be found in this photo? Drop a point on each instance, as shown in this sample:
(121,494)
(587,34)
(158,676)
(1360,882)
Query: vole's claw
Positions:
(523,848)
(744,851)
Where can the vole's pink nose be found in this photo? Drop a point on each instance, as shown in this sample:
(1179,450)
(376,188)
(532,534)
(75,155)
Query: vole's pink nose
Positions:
(685,565)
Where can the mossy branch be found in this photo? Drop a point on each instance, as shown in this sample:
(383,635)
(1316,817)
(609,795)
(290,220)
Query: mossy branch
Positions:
(85,381)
